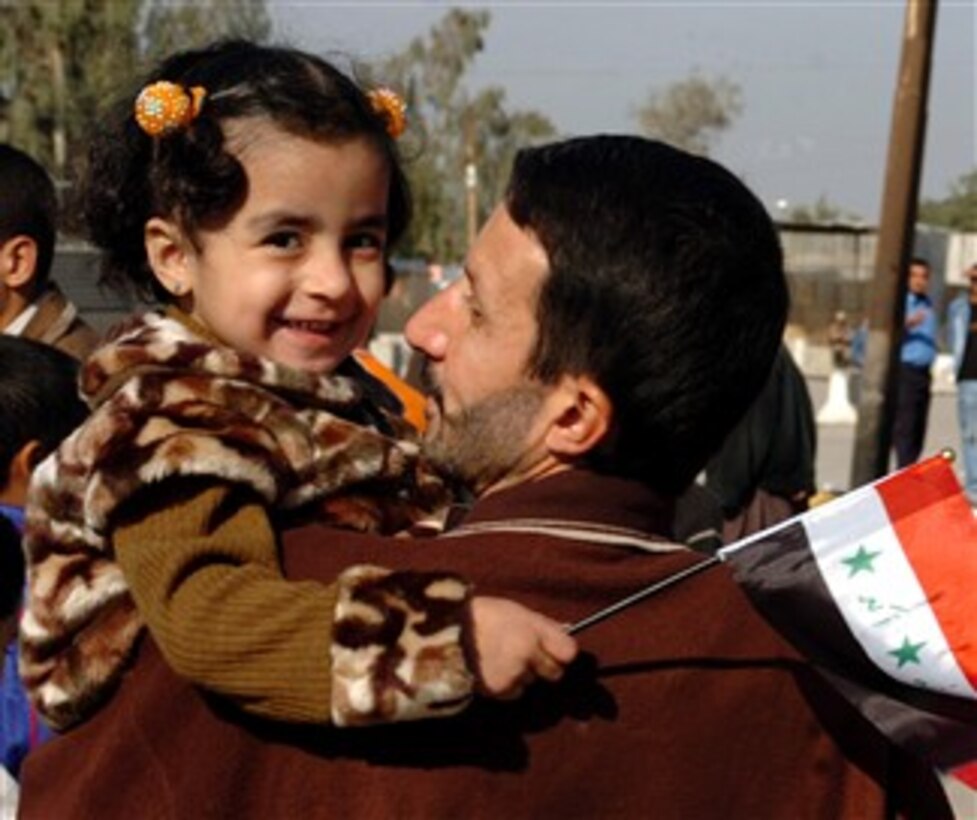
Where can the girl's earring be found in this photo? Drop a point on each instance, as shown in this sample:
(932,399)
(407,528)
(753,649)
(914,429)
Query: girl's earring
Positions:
(177,289)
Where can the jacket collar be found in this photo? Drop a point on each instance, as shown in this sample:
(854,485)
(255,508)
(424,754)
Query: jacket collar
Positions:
(52,318)
(580,495)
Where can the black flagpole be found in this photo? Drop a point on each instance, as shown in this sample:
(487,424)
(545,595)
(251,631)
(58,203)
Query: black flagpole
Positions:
(641,594)
(695,569)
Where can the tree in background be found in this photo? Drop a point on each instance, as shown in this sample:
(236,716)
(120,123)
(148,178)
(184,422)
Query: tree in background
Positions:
(172,25)
(496,137)
(692,113)
(958,210)
(61,61)
(58,62)
(451,128)
(821,212)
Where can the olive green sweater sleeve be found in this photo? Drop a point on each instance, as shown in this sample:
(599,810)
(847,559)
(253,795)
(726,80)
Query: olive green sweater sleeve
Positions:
(201,562)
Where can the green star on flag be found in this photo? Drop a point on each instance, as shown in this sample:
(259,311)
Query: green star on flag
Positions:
(861,560)
(908,652)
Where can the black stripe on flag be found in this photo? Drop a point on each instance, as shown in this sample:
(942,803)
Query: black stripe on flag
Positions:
(782,579)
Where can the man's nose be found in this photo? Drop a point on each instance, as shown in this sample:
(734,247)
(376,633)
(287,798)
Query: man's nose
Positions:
(426,329)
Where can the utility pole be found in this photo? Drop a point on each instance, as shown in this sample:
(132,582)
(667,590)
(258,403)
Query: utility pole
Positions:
(59,140)
(471,200)
(873,434)
(471,182)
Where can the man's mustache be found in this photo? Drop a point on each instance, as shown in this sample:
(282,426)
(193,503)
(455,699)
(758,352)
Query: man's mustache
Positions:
(428,383)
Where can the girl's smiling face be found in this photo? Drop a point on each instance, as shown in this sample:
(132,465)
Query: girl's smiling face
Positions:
(296,275)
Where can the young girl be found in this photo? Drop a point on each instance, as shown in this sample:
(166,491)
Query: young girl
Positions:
(255,192)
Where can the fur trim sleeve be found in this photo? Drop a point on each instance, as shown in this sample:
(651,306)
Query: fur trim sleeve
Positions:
(401,646)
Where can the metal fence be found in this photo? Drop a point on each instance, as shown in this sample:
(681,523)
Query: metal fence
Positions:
(76,270)
(830,268)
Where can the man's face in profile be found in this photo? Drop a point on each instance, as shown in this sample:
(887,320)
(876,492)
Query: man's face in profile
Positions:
(477,336)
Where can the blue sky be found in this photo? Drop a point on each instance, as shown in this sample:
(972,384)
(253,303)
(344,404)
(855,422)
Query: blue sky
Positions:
(818,78)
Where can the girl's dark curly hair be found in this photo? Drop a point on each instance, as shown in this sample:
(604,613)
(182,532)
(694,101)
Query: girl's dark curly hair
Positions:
(189,175)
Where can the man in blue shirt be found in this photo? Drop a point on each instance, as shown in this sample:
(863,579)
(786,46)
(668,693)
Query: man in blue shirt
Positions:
(915,360)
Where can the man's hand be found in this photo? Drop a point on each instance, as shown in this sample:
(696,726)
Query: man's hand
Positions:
(916,317)
(516,645)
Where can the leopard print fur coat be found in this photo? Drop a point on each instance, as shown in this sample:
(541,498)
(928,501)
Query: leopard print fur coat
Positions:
(168,402)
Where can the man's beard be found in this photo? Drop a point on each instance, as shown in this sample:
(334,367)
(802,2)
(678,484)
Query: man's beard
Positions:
(478,446)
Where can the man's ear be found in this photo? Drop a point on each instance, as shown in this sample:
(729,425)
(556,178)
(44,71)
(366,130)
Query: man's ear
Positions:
(168,251)
(19,473)
(18,261)
(27,458)
(583,416)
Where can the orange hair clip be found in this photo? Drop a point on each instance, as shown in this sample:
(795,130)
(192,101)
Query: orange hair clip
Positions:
(391,108)
(164,107)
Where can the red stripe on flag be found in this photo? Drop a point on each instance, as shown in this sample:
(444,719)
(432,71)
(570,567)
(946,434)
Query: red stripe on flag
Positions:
(938,533)
(966,774)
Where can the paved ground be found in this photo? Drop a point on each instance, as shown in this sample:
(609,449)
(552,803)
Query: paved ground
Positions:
(833,471)
(836,441)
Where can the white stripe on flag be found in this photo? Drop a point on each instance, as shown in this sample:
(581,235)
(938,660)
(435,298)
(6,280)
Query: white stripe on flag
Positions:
(879,595)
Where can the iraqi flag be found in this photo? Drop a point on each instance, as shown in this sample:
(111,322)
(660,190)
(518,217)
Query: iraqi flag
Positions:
(879,589)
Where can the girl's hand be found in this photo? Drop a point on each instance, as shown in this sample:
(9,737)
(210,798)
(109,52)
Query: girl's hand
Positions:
(516,645)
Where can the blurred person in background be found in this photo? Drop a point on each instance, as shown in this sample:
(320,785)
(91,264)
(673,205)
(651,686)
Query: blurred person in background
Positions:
(31,305)
(764,471)
(916,356)
(961,325)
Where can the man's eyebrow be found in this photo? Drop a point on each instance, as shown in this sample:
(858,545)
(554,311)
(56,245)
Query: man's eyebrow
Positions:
(475,285)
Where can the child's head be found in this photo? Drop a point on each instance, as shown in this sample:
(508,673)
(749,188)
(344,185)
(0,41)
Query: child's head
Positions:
(39,406)
(268,216)
(28,230)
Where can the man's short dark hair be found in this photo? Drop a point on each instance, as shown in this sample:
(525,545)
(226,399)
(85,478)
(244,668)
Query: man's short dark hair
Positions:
(39,398)
(28,207)
(666,285)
